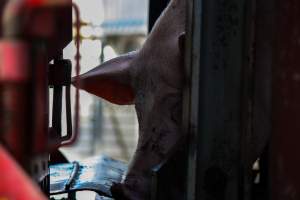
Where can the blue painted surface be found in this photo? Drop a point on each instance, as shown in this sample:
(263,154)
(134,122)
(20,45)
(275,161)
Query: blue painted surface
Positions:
(123,24)
(95,174)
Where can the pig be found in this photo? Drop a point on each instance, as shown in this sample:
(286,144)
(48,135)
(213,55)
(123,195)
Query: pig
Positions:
(151,79)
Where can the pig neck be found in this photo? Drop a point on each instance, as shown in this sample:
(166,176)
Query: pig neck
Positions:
(161,57)
(162,46)
(157,81)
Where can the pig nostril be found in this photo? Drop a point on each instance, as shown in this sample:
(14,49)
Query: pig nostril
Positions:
(153,129)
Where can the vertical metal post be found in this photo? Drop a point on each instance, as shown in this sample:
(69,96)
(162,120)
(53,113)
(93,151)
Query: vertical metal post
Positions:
(57,103)
(257,132)
(213,98)
(191,92)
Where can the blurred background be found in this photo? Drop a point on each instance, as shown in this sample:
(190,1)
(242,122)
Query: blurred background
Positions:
(109,28)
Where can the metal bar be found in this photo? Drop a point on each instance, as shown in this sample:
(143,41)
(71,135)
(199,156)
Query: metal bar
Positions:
(77,81)
(68,112)
(216,59)
(73,175)
(191,92)
(57,109)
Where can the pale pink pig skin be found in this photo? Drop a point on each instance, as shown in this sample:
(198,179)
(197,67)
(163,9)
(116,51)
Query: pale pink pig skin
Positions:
(152,80)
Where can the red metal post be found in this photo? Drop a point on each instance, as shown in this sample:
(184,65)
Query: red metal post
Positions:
(15,184)
(34,32)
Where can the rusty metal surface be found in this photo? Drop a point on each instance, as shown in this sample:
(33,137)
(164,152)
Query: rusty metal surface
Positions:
(285,148)
(96,174)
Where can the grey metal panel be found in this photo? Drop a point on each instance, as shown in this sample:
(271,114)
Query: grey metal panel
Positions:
(257,92)
(218,45)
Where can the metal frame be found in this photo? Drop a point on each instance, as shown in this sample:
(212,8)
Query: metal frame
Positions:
(215,102)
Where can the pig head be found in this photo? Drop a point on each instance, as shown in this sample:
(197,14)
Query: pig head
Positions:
(152,80)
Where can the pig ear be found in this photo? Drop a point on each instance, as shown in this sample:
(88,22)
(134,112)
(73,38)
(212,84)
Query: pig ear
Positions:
(181,42)
(111,80)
